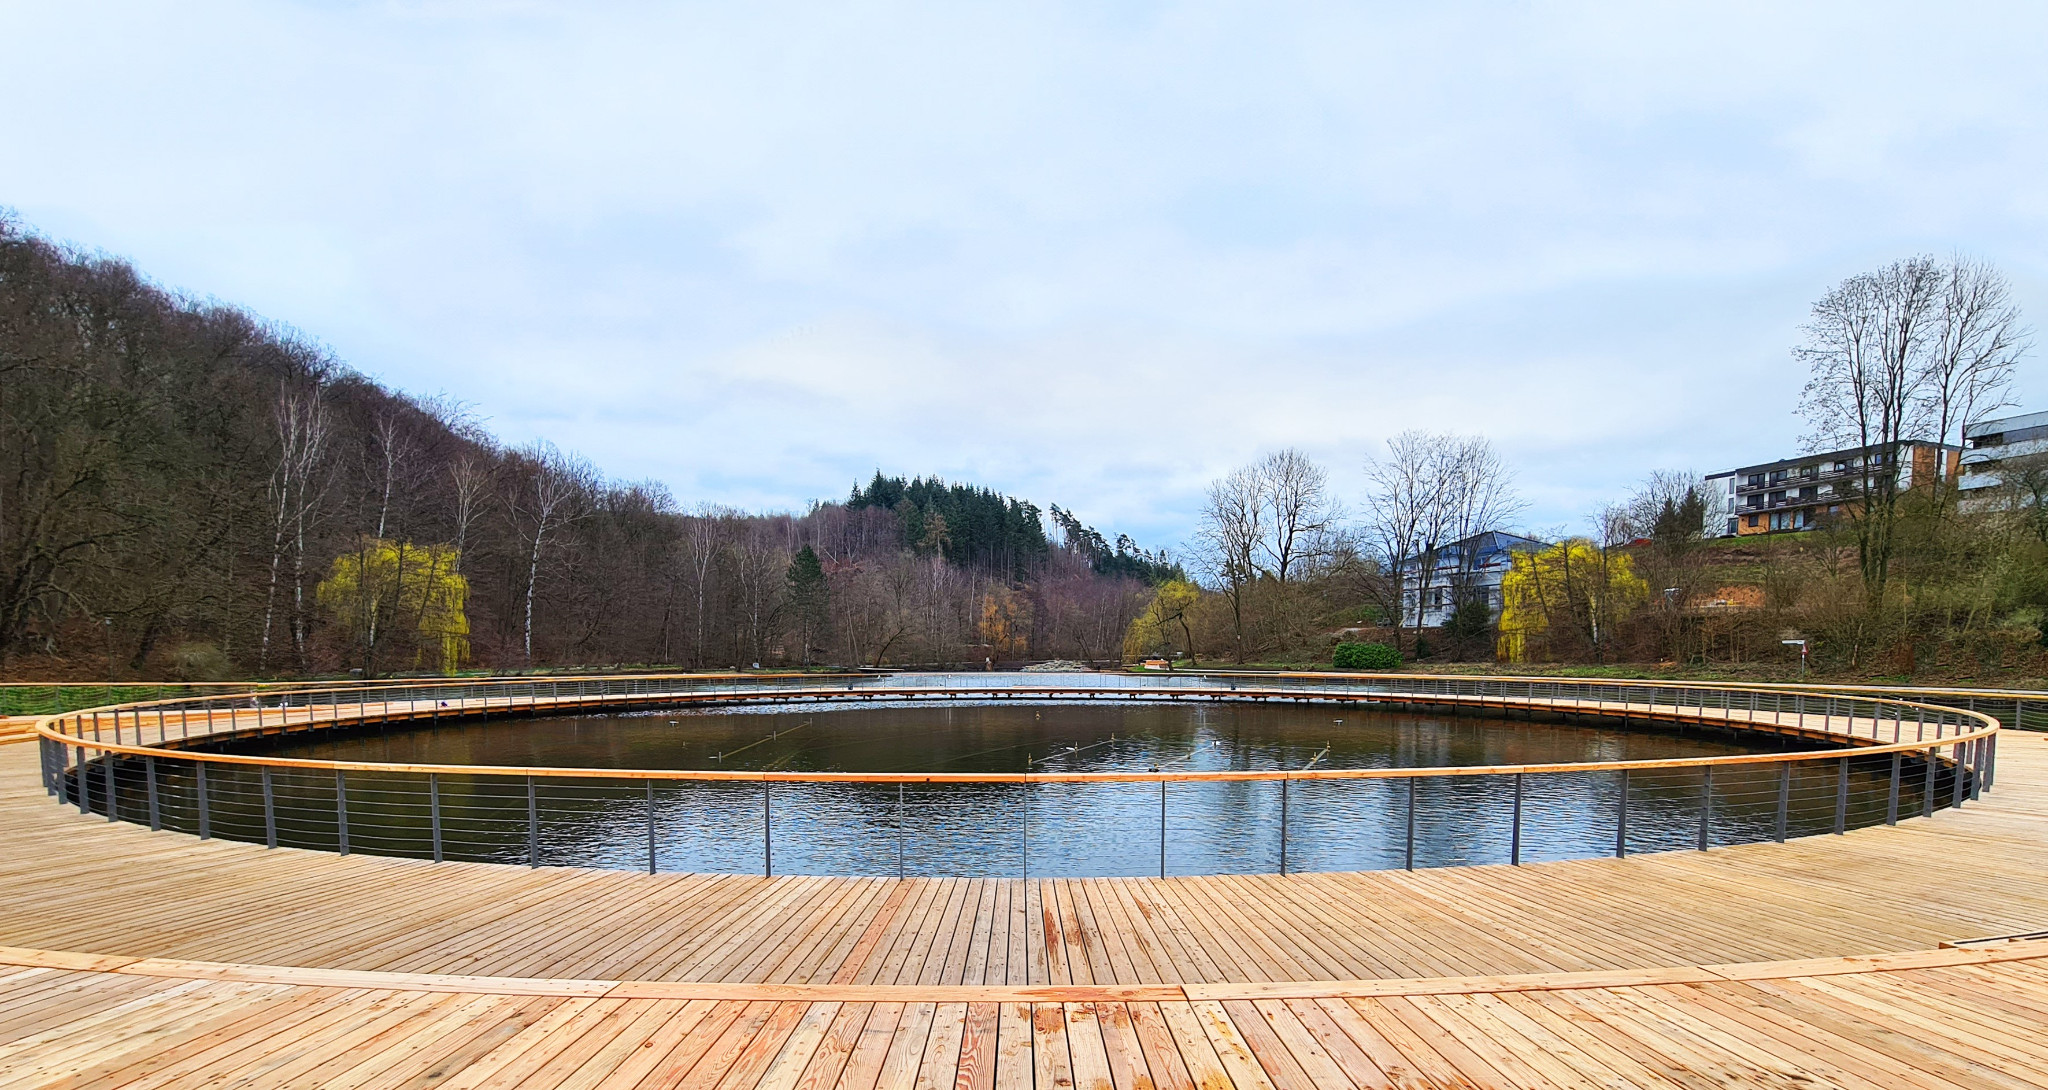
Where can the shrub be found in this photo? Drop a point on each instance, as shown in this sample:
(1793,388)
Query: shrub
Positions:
(1365,656)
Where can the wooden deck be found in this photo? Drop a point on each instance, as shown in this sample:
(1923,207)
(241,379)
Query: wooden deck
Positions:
(1949,1019)
(580,978)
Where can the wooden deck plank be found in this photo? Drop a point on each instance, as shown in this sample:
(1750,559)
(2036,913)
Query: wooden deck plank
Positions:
(195,960)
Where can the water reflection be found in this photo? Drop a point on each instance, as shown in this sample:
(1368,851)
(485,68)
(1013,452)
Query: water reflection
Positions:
(1050,829)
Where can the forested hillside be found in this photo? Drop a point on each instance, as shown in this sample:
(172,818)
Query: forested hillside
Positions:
(187,490)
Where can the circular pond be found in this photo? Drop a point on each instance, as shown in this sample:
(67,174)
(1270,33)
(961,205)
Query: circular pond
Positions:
(1045,828)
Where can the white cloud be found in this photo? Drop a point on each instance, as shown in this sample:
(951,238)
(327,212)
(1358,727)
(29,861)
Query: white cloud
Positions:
(1091,255)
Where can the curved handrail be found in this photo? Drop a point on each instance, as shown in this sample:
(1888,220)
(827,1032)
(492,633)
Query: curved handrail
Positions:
(1987,727)
(1970,736)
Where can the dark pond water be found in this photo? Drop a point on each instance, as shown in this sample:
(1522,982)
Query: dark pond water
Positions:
(1000,830)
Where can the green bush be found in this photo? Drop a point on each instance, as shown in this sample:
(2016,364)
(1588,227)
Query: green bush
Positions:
(1365,656)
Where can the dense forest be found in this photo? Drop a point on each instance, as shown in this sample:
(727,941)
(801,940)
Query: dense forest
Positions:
(187,490)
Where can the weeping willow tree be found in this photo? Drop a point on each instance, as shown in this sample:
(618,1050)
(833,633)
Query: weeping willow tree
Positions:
(1164,625)
(386,590)
(1567,600)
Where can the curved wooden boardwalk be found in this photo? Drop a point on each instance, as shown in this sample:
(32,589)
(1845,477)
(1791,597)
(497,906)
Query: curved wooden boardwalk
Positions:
(1307,980)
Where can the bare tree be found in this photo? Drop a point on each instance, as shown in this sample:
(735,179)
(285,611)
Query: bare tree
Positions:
(707,532)
(1232,527)
(1975,345)
(1398,501)
(1297,512)
(469,480)
(296,486)
(554,494)
(1660,505)
(1429,492)
(1913,350)
(394,447)
(1477,491)
(759,564)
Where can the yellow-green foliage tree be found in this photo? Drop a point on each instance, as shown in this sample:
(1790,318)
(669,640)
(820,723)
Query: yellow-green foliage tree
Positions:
(387,588)
(1005,622)
(1167,623)
(1568,600)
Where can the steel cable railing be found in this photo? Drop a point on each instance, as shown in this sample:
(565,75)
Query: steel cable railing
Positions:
(1885,760)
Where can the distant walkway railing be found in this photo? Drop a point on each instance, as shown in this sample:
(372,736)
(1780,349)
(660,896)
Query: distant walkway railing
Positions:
(1871,759)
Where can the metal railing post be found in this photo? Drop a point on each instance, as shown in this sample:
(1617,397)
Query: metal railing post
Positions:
(1162,828)
(1957,800)
(434,811)
(1409,861)
(84,801)
(1784,798)
(269,812)
(1621,820)
(650,826)
(1706,805)
(767,833)
(156,820)
(1891,802)
(532,821)
(1983,746)
(205,811)
(341,809)
(1927,790)
(113,804)
(901,813)
(1842,798)
(1515,830)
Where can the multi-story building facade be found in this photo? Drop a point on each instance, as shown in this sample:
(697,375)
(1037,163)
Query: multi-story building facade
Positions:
(1798,493)
(1469,569)
(1988,446)
(1719,489)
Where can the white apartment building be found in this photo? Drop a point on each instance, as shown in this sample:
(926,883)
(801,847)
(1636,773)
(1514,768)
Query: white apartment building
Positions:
(1719,491)
(1794,494)
(1477,563)
(1989,443)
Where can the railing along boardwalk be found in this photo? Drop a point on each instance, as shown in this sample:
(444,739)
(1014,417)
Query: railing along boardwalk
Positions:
(145,752)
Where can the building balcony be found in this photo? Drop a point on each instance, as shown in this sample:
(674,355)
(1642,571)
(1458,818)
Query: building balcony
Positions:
(1742,488)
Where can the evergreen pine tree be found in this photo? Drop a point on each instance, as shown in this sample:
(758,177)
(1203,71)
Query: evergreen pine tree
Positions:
(808,598)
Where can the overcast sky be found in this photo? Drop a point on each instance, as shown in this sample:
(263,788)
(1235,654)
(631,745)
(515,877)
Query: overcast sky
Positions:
(1093,254)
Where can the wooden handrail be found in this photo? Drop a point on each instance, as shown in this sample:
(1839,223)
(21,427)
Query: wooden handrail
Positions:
(1988,726)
